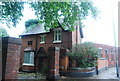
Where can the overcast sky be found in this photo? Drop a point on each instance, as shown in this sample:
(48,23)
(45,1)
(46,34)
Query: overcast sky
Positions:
(98,31)
(101,30)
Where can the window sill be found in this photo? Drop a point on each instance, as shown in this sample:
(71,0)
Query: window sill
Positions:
(103,58)
(42,42)
(56,41)
(25,64)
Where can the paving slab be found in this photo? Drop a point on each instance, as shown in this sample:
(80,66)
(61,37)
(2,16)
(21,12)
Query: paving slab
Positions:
(109,74)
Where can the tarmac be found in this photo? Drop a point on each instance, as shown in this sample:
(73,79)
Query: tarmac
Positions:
(107,75)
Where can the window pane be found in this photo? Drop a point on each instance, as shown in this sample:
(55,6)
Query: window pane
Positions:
(100,53)
(42,39)
(59,37)
(29,42)
(31,57)
(26,57)
(111,51)
(112,57)
(106,52)
(56,32)
(59,32)
(55,37)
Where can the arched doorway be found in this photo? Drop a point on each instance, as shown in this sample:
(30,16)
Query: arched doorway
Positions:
(42,60)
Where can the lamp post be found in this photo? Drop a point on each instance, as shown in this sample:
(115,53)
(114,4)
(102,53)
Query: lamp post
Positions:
(116,48)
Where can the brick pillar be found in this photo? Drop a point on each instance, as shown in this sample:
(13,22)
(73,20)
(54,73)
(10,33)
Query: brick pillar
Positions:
(53,63)
(10,57)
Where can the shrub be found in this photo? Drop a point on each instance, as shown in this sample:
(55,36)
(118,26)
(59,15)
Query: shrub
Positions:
(85,54)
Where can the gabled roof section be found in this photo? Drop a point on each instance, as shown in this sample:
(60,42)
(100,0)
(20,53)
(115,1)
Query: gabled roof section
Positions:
(36,30)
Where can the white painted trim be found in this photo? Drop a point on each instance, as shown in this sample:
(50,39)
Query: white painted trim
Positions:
(56,41)
(42,42)
(100,48)
(28,64)
(44,35)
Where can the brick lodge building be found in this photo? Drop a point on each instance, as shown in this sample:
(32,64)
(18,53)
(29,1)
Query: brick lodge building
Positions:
(36,43)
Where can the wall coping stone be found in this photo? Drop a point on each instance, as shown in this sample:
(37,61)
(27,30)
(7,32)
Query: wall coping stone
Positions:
(11,40)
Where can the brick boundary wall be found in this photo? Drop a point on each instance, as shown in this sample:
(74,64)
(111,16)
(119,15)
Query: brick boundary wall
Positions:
(10,57)
(53,64)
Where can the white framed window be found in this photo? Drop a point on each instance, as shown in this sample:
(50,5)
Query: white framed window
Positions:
(100,52)
(42,39)
(106,52)
(112,54)
(111,51)
(28,58)
(57,36)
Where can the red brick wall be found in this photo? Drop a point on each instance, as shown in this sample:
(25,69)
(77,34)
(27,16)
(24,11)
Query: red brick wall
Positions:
(53,64)
(101,61)
(25,40)
(66,43)
(76,36)
(11,57)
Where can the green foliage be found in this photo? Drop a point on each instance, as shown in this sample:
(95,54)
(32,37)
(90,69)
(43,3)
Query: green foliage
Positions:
(70,12)
(31,23)
(85,54)
(3,32)
(50,13)
(11,12)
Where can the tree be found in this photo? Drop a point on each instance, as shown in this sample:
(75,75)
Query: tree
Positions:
(85,54)
(70,12)
(3,32)
(52,12)
(11,13)
(31,23)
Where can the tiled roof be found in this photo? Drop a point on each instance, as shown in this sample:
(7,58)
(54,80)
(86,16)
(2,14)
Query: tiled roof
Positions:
(36,30)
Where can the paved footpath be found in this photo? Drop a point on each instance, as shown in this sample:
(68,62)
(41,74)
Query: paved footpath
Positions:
(109,74)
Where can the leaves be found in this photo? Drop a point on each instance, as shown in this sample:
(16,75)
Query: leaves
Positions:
(51,13)
(85,54)
(31,22)
(3,32)
(11,12)
(70,12)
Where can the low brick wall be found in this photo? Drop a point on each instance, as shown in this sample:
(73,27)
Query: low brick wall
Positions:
(10,57)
